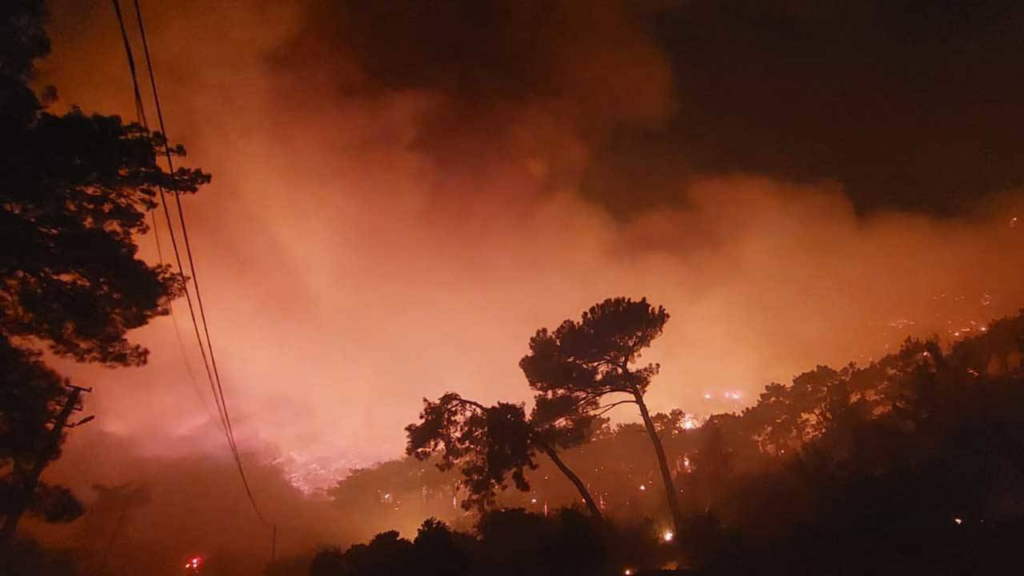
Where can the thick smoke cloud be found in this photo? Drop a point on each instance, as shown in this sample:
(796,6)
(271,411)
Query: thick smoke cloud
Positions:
(404,191)
(910,105)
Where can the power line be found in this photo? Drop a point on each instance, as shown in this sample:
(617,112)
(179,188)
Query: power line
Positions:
(140,113)
(219,392)
(191,263)
(140,110)
(177,331)
(214,378)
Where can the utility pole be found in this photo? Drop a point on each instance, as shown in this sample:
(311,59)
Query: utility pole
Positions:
(273,546)
(31,480)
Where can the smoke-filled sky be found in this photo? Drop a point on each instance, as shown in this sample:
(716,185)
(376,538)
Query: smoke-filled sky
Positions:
(404,191)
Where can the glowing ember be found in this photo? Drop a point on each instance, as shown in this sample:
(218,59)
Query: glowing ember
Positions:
(311,475)
(690,422)
(900,323)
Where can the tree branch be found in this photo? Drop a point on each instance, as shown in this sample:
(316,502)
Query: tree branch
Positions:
(471,403)
(603,409)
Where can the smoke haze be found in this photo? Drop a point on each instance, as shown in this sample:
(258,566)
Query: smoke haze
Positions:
(404,192)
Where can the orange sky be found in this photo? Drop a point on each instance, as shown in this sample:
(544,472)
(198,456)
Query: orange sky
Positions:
(349,272)
(362,247)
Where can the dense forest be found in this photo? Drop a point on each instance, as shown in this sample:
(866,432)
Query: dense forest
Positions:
(914,461)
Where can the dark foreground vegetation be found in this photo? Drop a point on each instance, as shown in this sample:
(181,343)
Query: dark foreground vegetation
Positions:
(75,190)
(913,464)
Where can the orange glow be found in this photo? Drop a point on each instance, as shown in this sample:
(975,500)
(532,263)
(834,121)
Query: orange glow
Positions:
(350,270)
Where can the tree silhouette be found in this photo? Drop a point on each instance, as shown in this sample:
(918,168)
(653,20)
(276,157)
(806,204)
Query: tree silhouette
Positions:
(74,193)
(491,444)
(440,551)
(913,462)
(505,542)
(580,364)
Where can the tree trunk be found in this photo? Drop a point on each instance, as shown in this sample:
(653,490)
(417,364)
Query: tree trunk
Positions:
(24,492)
(580,486)
(666,475)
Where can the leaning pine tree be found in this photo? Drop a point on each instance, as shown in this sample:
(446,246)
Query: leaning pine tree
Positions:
(583,367)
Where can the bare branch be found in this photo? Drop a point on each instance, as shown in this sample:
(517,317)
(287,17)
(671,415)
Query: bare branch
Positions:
(602,409)
(471,403)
